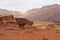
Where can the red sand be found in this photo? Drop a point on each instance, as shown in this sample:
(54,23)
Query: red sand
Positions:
(29,34)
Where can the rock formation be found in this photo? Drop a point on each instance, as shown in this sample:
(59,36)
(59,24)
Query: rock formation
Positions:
(22,21)
(9,19)
(10,22)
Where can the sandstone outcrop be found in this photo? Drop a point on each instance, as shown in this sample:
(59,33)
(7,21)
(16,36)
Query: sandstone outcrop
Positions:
(23,22)
(10,22)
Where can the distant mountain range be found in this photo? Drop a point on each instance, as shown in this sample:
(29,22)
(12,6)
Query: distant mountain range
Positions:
(8,12)
(46,13)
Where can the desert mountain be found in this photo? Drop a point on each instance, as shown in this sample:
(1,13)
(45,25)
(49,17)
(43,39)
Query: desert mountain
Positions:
(46,13)
(4,12)
(16,14)
(8,12)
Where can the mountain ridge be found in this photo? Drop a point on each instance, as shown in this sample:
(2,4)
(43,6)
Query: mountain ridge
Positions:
(46,13)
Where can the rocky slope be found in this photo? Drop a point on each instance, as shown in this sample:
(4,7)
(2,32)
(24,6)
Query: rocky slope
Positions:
(46,13)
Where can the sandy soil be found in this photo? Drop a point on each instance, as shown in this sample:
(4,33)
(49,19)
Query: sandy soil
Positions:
(29,34)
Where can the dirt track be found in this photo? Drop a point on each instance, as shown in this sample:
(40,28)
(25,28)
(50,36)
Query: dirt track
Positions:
(29,34)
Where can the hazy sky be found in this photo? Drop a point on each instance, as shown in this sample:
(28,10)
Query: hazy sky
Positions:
(25,4)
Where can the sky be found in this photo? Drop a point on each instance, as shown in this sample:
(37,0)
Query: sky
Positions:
(25,4)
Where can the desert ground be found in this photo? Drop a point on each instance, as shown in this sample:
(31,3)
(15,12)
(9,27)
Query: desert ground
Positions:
(29,34)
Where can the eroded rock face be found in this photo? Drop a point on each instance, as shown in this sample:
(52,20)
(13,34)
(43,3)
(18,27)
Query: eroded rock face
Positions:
(22,21)
(8,22)
(9,19)
(11,22)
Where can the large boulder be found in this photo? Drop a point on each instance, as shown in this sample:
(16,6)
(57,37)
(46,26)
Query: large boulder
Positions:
(22,21)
